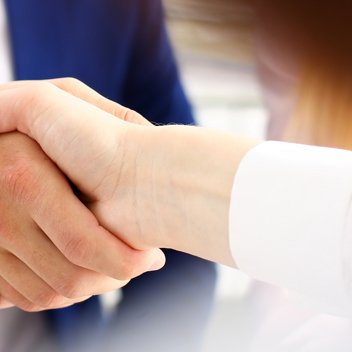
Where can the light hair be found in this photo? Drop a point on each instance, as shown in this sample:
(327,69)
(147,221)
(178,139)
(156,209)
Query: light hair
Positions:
(323,113)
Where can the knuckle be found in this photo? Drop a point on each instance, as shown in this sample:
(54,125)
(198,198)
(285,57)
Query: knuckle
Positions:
(69,84)
(70,81)
(70,289)
(134,117)
(37,91)
(127,270)
(79,250)
(67,80)
(73,82)
(134,264)
(28,306)
(35,100)
(129,115)
(17,179)
(41,88)
(48,299)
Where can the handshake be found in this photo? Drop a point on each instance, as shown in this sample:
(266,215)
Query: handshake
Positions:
(90,192)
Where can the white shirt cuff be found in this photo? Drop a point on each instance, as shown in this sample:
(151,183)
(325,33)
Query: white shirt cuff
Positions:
(290,222)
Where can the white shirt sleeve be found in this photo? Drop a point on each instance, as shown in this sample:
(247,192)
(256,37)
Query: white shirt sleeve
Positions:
(291,222)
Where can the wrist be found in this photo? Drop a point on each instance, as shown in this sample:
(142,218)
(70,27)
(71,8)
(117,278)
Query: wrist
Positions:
(174,189)
(191,176)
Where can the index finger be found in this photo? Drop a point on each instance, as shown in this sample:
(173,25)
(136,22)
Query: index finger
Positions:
(82,91)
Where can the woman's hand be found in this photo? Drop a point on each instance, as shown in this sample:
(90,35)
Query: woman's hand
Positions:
(150,186)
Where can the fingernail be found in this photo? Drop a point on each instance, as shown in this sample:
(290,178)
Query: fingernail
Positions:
(158,264)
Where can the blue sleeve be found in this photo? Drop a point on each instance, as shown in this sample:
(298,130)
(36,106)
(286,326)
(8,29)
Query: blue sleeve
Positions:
(152,83)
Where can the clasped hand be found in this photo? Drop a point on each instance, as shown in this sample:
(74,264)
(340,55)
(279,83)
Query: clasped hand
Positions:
(53,251)
(142,187)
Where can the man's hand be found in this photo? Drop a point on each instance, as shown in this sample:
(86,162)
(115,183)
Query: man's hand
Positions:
(53,252)
(151,187)
(79,90)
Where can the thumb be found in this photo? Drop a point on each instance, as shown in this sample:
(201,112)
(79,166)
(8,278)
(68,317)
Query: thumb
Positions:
(80,138)
(83,92)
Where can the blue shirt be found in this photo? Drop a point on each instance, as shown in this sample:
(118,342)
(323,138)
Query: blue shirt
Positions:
(119,48)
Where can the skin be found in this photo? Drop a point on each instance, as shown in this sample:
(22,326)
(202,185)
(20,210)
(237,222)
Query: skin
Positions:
(151,186)
(42,262)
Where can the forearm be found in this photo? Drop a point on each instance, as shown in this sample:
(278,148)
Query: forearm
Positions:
(150,186)
(188,188)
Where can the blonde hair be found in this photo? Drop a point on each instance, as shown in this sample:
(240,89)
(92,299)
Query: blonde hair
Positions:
(323,113)
(323,110)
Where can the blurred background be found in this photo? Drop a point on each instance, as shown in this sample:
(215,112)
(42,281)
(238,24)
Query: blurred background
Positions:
(219,78)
